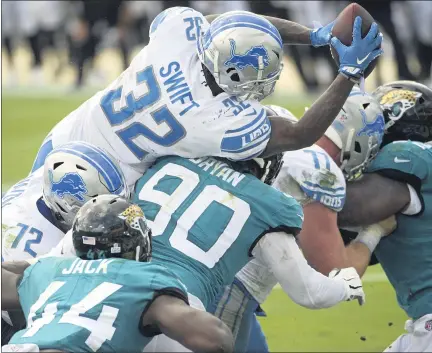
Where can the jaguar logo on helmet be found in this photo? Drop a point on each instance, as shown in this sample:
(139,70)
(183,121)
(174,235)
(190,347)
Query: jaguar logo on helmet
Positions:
(132,215)
(71,183)
(250,58)
(399,101)
(376,127)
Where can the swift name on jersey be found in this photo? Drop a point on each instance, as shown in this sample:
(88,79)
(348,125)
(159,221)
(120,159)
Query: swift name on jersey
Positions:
(176,85)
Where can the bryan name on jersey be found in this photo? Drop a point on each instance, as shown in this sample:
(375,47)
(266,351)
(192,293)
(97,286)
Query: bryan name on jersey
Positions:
(161,105)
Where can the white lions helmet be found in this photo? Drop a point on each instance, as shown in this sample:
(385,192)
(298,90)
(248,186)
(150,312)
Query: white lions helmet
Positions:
(358,131)
(243,51)
(76,172)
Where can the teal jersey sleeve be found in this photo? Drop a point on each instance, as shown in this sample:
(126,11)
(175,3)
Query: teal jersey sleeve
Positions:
(406,161)
(280,211)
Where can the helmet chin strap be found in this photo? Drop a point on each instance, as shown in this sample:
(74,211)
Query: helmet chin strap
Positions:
(137,253)
(216,68)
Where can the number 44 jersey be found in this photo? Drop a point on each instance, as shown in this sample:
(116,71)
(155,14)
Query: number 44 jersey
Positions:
(161,105)
(88,306)
(207,217)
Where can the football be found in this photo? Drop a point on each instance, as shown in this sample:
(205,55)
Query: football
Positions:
(343,29)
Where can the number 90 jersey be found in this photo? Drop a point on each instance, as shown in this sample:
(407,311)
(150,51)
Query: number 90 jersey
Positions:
(89,306)
(161,105)
(206,218)
(311,175)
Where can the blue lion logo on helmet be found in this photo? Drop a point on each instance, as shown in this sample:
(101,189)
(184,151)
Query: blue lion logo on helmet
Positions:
(375,127)
(70,183)
(250,58)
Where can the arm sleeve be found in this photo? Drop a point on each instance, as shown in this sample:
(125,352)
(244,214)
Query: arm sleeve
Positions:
(316,175)
(407,162)
(307,287)
(248,136)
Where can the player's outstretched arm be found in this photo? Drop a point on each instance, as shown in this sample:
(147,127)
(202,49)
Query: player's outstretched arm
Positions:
(318,118)
(196,330)
(11,275)
(286,136)
(305,286)
(295,33)
(371,199)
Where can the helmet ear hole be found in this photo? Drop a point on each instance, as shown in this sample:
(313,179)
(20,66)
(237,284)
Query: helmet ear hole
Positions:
(357,147)
(365,105)
(234,76)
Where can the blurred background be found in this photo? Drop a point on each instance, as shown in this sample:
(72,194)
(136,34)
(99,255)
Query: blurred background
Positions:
(86,44)
(57,54)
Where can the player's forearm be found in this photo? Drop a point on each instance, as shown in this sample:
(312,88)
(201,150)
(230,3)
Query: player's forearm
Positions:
(359,257)
(17,267)
(288,137)
(291,32)
(304,285)
(372,199)
(9,297)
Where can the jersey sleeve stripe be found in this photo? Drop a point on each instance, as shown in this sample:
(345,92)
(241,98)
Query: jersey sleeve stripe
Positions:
(249,157)
(239,144)
(248,153)
(248,127)
(312,185)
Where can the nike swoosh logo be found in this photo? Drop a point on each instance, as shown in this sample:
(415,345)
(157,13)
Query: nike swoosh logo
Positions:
(301,217)
(397,160)
(362,60)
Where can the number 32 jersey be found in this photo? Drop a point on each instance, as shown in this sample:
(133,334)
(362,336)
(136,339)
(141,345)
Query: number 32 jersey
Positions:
(161,105)
(91,306)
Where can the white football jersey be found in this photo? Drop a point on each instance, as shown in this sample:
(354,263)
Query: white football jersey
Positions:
(161,105)
(27,223)
(308,175)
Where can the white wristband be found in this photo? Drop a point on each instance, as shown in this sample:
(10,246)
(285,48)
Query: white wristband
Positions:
(370,237)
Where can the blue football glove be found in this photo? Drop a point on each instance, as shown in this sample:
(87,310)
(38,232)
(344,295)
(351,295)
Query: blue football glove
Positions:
(321,36)
(354,59)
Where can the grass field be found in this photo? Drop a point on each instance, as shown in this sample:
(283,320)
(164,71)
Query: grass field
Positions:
(26,120)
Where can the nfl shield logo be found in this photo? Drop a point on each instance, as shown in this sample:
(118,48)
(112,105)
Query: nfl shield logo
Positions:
(428,325)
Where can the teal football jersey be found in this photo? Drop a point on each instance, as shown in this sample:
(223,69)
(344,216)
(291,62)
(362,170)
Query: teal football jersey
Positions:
(206,218)
(89,306)
(406,255)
